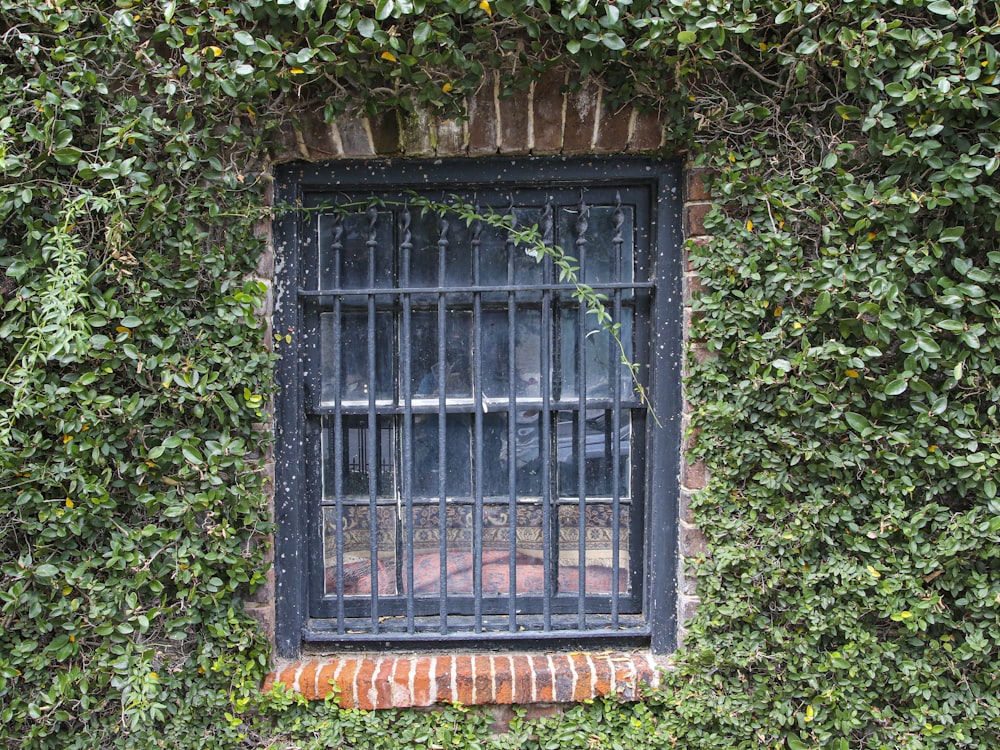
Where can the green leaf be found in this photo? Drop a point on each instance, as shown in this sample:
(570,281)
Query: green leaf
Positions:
(896,387)
(687,37)
(857,422)
(612,41)
(823,303)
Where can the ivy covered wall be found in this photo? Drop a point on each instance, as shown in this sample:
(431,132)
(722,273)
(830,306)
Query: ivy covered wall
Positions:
(846,405)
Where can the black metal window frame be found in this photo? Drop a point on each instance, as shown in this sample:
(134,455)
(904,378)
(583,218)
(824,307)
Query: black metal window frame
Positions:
(305,613)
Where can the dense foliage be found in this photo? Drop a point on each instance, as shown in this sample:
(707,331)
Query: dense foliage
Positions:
(847,410)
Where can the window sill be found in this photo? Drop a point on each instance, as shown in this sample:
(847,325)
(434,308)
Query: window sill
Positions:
(377,681)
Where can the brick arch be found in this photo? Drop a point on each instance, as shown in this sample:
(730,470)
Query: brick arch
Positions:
(545,119)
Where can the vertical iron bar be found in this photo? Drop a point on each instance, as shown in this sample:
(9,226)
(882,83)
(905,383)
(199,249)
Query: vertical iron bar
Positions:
(550,557)
(511,429)
(477,396)
(371,435)
(405,246)
(580,240)
(338,423)
(442,422)
(614,362)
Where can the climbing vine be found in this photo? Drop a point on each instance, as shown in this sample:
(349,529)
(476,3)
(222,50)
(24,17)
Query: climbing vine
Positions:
(844,393)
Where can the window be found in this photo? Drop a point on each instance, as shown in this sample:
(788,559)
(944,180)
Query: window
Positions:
(462,455)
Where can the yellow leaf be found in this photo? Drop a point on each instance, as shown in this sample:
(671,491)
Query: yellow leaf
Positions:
(217,51)
(69,503)
(874,572)
(388,56)
(810,713)
(296,71)
(447,87)
(484,5)
(749,225)
(778,310)
(67,438)
(851,373)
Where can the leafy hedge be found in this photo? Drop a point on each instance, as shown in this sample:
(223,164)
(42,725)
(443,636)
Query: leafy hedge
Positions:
(847,410)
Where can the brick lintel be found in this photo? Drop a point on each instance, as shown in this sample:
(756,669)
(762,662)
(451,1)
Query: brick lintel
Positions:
(376,681)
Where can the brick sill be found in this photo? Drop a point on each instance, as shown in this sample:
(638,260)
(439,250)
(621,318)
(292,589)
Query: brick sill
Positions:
(377,681)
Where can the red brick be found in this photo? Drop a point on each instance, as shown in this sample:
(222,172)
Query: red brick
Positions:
(547,101)
(319,139)
(583,687)
(363,682)
(416,134)
(355,138)
(504,668)
(694,219)
(483,688)
(385,133)
(515,120)
(544,689)
(582,110)
(464,684)
(483,119)
(485,679)
(564,678)
(696,189)
(522,683)
(324,680)
(450,138)
(307,680)
(692,541)
(443,671)
(423,693)
(613,130)
(602,674)
(647,134)
(693,475)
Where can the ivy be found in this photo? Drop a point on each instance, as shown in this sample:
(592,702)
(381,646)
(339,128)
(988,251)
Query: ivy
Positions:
(847,411)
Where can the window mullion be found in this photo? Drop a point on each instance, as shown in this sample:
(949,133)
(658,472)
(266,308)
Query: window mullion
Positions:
(442,421)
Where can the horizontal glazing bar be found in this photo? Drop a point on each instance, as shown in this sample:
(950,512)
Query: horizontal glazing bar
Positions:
(451,290)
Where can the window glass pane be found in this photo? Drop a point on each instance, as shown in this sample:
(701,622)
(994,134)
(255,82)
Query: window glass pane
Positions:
(356,533)
(457,460)
(425,358)
(601,354)
(598,454)
(431,235)
(356,238)
(458,521)
(531,372)
(603,229)
(355,379)
(494,366)
(598,548)
(356,460)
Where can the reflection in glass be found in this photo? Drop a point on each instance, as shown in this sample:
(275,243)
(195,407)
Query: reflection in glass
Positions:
(357,461)
(355,380)
(458,522)
(426,365)
(598,548)
(356,533)
(601,357)
(599,445)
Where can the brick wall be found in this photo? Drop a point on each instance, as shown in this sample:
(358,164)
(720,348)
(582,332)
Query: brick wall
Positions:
(547,119)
